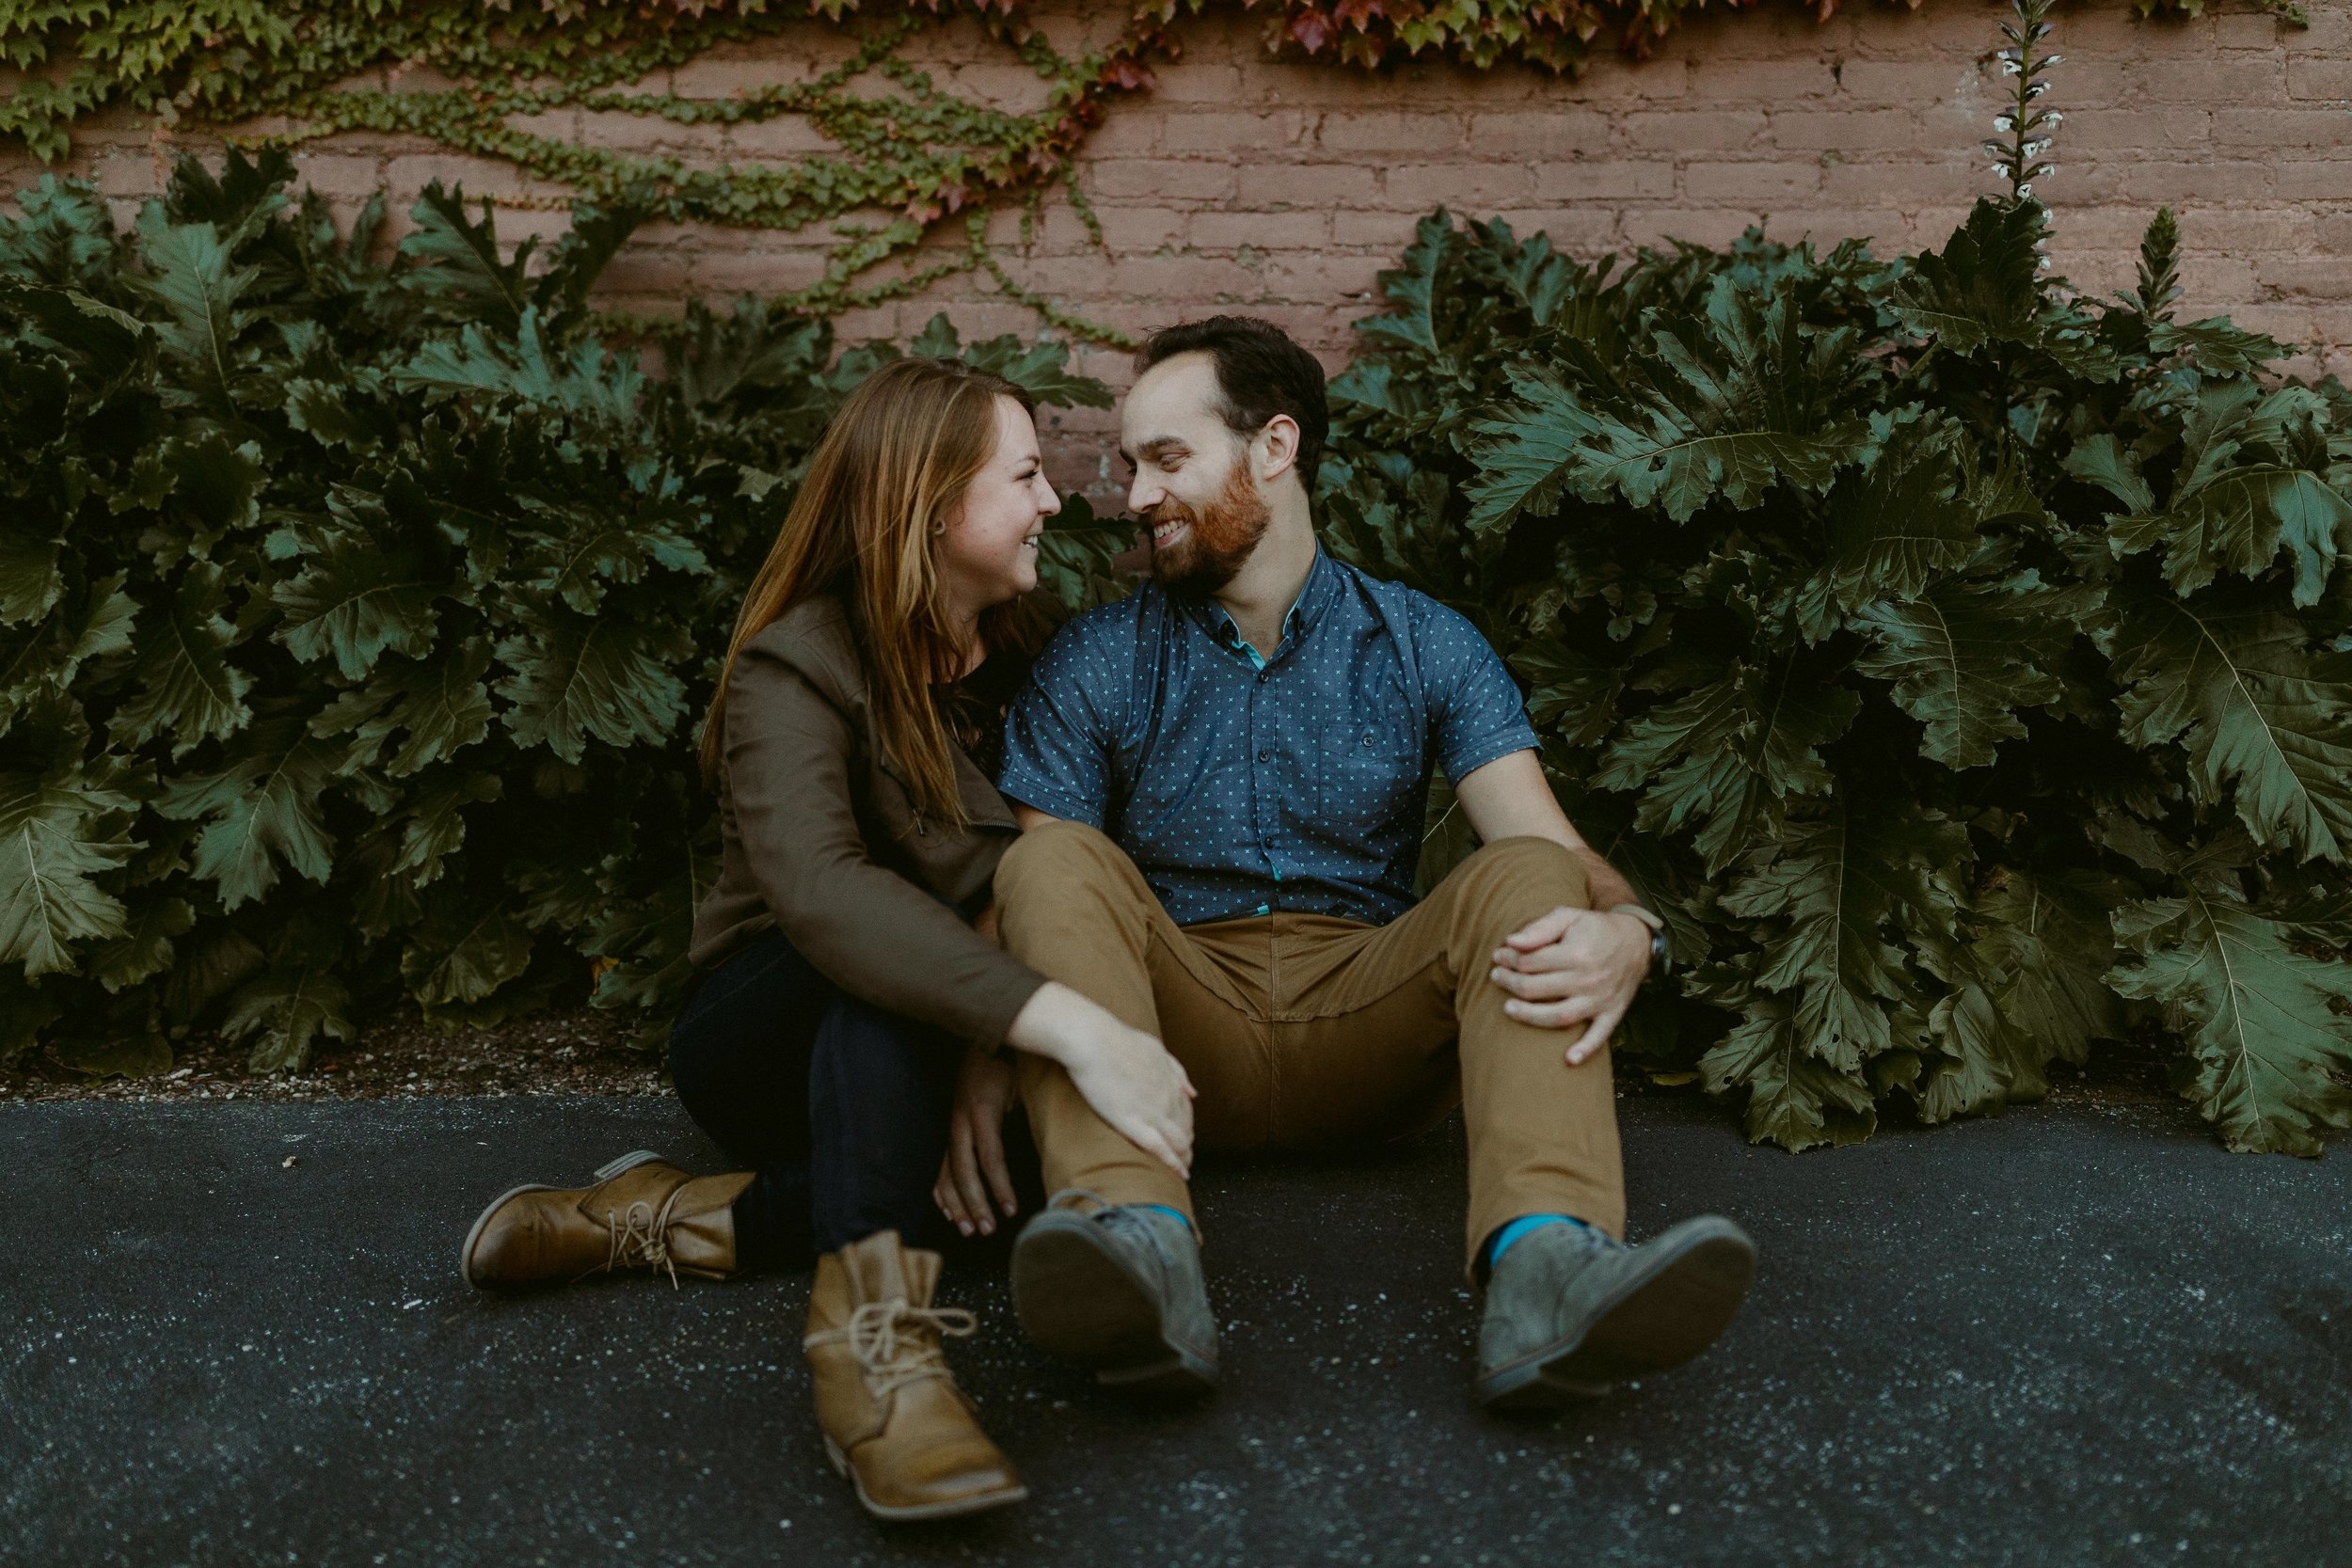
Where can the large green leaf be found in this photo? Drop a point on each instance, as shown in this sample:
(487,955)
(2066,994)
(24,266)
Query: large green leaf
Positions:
(1983,287)
(574,678)
(183,686)
(2268,726)
(1794,1098)
(1723,763)
(1729,405)
(464,952)
(2270,1041)
(289,1007)
(262,810)
(354,600)
(1964,656)
(441,705)
(55,842)
(585,383)
(191,272)
(1832,891)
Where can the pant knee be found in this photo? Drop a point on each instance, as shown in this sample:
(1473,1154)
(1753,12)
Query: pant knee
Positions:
(1053,858)
(1524,870)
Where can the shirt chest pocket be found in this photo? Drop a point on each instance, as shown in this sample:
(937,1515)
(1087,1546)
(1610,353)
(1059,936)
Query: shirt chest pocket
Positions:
(1372,765)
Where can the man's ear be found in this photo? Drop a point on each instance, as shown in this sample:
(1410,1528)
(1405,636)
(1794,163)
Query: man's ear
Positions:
(1275,450)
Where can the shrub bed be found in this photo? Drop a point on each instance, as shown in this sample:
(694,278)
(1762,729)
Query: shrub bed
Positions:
(354,617)
(1963,665)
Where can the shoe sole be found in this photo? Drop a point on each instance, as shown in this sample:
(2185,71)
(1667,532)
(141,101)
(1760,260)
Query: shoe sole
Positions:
(605,1172)
(954,1508)
(1657,1320)
(1078,1301)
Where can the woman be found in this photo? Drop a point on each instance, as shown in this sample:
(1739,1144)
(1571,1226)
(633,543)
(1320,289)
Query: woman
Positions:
(840,977)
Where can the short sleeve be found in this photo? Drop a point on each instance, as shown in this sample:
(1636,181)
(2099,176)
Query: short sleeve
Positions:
(1476,712)
(1062,726)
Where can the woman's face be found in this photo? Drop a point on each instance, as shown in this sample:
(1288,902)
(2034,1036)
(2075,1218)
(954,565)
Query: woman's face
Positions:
(989,552)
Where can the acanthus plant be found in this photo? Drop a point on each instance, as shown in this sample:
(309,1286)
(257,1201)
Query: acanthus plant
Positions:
(1963,664)
(354,617)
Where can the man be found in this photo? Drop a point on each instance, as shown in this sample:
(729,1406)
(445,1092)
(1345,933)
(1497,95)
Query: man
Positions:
(1220,782)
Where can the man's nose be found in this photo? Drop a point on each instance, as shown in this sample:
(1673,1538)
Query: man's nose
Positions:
(1144,494)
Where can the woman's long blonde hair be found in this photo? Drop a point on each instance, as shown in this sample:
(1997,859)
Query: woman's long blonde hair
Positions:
(864,527)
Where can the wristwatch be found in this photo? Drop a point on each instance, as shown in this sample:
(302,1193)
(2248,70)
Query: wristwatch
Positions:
(1657,934)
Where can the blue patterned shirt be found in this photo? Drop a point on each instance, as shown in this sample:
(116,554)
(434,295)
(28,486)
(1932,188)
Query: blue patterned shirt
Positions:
(1242,785)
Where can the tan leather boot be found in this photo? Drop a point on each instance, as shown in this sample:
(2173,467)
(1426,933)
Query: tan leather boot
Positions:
(895,1422)
(644,1212)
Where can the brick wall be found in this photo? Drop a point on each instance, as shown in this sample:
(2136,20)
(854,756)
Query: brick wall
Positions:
(1283,188)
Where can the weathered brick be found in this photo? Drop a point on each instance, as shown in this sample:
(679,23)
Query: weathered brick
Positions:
(1776,184)
(1229,232)
(1594,179)
(1287,184)
(2217,80)
(1536,131)
(2207,181)
(1391,133)
(1658,133)
(1225,132)
(1854,130)
(786,136)
(1766,82)
(2280,127)
(1911,83)
(1463,186)
(1584,232)
(1162,179)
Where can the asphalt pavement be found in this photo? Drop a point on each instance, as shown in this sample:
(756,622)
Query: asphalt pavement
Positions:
(2066,1335)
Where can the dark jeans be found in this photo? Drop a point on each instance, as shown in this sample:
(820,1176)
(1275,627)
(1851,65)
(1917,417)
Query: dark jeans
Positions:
(840,1107)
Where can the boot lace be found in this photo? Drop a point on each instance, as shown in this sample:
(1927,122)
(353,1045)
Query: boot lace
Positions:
(889,1339)
(641,1237)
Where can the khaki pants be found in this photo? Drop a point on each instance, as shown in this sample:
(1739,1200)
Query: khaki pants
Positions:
(1304,1031)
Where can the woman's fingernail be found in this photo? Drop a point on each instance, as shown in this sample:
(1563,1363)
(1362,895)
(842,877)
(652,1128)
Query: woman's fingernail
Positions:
(964,1225)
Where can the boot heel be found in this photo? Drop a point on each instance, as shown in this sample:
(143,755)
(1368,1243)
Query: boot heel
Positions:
(611,1168)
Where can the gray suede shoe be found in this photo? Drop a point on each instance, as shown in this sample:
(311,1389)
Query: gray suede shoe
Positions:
(1117,1287)
(1570,1312)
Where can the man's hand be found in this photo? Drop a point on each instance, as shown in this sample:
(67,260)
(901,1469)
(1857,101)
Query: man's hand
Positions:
(1570,967)
(973,1166)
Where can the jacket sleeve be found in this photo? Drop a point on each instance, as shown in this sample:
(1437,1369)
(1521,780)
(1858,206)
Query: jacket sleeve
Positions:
(869,929)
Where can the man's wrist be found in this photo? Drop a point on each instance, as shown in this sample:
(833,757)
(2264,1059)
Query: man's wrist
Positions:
(1657,928)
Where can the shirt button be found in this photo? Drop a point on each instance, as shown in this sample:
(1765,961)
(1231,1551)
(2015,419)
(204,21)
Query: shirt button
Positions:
(1266,753)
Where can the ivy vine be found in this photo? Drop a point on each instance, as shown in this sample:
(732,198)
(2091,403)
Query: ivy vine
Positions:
(914,152)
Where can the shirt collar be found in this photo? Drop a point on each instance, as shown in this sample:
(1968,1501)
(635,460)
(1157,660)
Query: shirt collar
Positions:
(1321,587)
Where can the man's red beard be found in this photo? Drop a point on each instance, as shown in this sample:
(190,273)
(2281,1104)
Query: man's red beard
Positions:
(1218,539)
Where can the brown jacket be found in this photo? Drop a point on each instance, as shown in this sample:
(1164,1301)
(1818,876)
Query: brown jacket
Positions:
(819,837)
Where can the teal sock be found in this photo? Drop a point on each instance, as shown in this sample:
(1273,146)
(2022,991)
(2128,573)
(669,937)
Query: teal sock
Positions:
(1511,1230)
(1166,1210)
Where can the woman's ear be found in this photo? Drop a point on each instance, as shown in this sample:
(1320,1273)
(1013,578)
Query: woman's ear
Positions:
(1276,448)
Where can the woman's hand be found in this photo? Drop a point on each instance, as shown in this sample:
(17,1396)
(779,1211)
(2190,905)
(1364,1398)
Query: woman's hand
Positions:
(975,1164)
(1126,1074)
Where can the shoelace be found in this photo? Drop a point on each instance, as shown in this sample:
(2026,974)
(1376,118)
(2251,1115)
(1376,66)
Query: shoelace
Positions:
(641,1237)
(890,1357)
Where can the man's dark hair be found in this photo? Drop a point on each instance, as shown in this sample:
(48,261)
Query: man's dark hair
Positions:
(1261,373)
